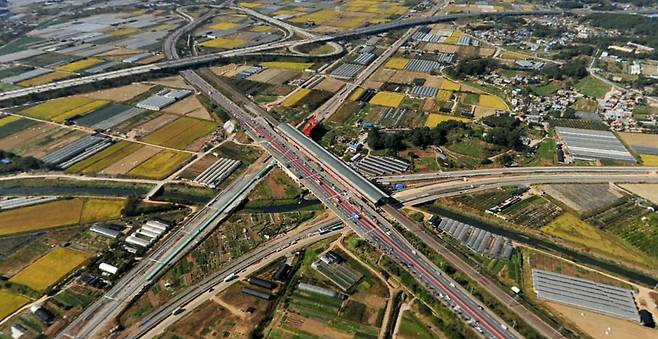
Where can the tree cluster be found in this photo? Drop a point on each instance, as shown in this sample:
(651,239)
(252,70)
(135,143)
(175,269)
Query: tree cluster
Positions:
(418,137)
(506,131)
(473,67)
(574,69)
(19,164)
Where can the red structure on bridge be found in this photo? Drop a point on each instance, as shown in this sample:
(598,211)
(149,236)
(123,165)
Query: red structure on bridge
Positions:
(308,127)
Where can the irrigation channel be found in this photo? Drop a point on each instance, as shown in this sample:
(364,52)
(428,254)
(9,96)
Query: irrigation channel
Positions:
(548,246)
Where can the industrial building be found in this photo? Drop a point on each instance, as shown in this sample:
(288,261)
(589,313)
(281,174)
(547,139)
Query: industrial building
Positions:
(108,232)
(107,268)
(478,240)
(163,99)
(282,273)
(217,172)
(353,179)
(586,144)
(589,295)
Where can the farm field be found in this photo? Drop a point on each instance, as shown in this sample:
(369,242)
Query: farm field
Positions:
(104,158)
(50,268)
(583,197)
(485,200)
(592,87)
(492,101)
(646,191)
(396,63)
(120,94)
(649,159)
(180,133)
(570,228)
(293,99)
(449,85)
(223,26)
(78,65)
(388,99)
(532,212)
(276,185)
(640,139)
(61,109)
(413,328)
(58,213)
(225,43)
(125,164)
(293,66)
(160,165)
(545,90)
(44,79)
(434,119)
(10,302)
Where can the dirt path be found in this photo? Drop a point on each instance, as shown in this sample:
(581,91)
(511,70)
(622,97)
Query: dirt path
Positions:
(234,310)
(404,307)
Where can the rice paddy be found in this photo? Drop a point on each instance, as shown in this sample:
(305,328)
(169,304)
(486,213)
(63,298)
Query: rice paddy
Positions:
(61,109)
(388,99)
(444,95)
(649,159)
(10,302)
(160,165)
(223,26)
(78,65)
(50,269)
(449,85)
(396,63)
(293,66)
(295,97)
(434,119)
(104,158)
(492,101)
(226,43)
(7,120)
(181,132)
(44,79)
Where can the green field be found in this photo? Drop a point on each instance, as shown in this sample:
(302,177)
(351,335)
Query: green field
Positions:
(412,327)
(181,132)
(592,87)
(104,158)
(532,212)
(545,90)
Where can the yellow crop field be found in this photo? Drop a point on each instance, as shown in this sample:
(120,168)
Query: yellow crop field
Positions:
(250,4)
(56,214)
(43,216)
(44,79)
(449,85)
(396,63)
(84,109)
(181,132)
(511,55)
(225,43)
(78,65)
(223,26)
(317,18)
(434,119)
(101,209)
(492,101)
(293,66)
(389,99)
(649,159)
(7,120)
(50,268)
(528,8)
(356,94)
(453,38)
(261,28)
(123,31)
(160,165)
(351,22)
(55,107)
(443,95)
(10,302)
(570,228)
(295,97)
(105,158)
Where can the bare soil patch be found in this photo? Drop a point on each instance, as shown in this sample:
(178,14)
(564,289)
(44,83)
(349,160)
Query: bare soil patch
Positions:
(583,197)
(646,191)
(24,136)
(330,85)
(123,93)
(189,106)
(154,124)
(131,161)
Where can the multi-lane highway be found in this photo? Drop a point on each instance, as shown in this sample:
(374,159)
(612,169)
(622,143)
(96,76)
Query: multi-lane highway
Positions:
(101,313)
(433,176)
(422,194)
(195,61)
(360,216)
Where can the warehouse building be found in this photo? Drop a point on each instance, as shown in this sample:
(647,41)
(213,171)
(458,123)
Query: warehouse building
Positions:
(589,295)
(261,283)
(347,174)
(107,268)
(282,273)
(585,144)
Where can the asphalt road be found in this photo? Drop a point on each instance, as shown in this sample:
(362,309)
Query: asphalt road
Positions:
(359,215)
(422,194)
